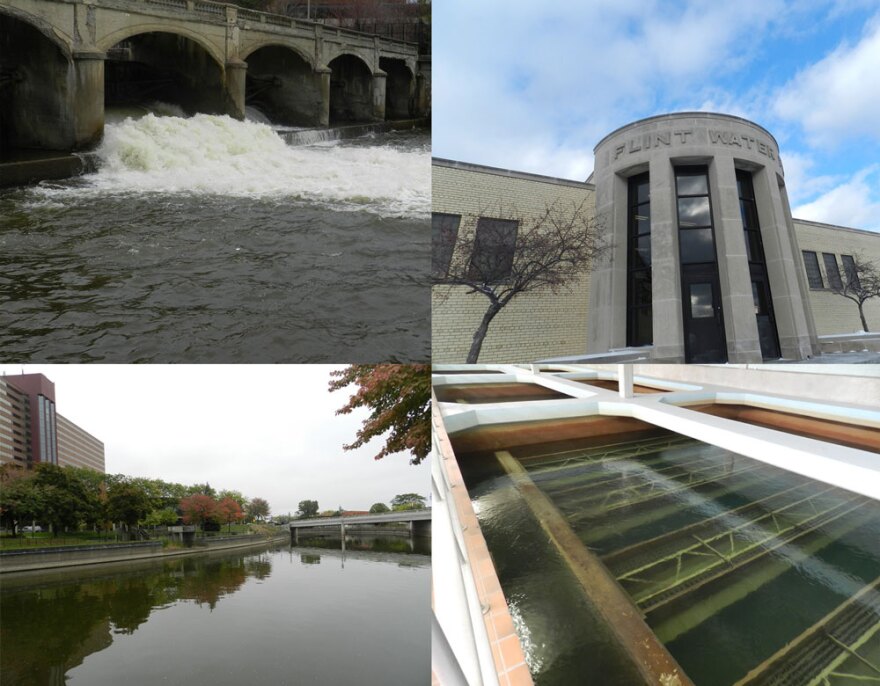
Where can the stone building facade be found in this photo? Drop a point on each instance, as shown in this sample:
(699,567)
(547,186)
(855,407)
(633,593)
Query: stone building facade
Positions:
(705,262)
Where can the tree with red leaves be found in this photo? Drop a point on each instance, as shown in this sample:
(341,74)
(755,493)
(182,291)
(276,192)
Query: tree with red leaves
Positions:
(229,511)
(399,396)
(198,509)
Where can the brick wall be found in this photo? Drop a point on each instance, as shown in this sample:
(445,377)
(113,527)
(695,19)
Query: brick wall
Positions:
(533,325)
(834,314)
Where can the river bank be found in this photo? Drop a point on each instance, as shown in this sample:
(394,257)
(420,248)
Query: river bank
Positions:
(74,556)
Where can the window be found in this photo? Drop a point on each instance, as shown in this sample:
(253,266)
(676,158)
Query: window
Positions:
(444,233)
(849,268)
(695,238)
(494,247)
(639,328)
(814,276)
(831,270)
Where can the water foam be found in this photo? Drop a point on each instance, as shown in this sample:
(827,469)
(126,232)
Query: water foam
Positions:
(218,155)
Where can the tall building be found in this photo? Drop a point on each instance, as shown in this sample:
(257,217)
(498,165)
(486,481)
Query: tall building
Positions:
(31,432)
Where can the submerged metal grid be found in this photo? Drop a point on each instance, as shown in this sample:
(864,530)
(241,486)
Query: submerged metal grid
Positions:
(673,566)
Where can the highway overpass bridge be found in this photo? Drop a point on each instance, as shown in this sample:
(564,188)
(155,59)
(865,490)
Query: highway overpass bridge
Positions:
(62,59)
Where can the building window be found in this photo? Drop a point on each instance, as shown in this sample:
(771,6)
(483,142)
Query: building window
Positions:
(811,263)
(639,326)
(444,233)
(695,237)
(494,248)
(849,268)
(831,270)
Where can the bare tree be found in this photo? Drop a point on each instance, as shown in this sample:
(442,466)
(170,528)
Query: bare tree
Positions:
(861,283)
(508,254)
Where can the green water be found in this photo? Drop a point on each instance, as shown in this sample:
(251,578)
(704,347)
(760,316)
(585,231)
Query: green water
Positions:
(720,609)
(278,616)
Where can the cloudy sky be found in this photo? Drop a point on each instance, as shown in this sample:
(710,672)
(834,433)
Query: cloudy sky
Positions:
(267,431)
(533,86)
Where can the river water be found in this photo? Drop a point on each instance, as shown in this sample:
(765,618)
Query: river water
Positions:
(206,239)
(278,616)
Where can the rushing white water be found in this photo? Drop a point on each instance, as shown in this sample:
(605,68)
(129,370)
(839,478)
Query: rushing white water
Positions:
(218,155)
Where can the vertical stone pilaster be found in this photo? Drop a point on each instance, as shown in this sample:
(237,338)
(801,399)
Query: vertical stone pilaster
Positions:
(234,89)
(666,313)
(740,324)
(87,98)
(788,287)
(379,79)
(423,87)
(322,86)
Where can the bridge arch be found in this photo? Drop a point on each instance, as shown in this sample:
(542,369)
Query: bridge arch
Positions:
(154,62)
(38,83)
(276,42)
(351,88)
(51,33)
(111,39)
(282,83)
(400,85)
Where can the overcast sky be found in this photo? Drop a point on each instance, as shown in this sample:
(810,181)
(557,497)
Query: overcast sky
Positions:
(533,86)
(265,430)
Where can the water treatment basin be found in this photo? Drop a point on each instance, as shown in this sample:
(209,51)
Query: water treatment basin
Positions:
(629,553)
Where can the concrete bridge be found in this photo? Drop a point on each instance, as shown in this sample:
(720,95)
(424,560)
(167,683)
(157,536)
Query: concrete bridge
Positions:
(419,522)
(60,60)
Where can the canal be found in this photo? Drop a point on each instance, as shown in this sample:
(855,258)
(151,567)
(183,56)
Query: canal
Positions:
(281,615)
(206,239)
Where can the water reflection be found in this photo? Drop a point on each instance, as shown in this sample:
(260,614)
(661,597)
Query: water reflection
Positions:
(366,542)
(185,620)
(48,629)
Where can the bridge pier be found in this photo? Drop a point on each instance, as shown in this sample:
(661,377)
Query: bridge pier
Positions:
(379,83)
(423,87)
(87,98)
(322,84)
(234,86)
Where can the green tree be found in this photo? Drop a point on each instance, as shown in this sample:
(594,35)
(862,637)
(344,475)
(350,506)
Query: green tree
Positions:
(258,508)
(379,508)
(165,517)
(307,508)
(399,398)
(408,501)
(128,503)
(22,500)
(66,500)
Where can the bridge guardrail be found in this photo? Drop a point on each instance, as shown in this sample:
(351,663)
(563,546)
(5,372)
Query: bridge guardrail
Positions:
(216,9)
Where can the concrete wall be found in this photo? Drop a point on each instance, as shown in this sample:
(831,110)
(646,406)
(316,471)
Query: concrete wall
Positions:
(48,558)
(834,314)
(534,325)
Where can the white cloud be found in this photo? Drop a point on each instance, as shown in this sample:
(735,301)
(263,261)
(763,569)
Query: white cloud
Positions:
(799,181)
(854,203)
(839,96)
(534,87)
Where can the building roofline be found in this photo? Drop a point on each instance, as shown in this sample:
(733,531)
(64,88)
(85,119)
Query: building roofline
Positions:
(526,176)
(679,115)
(835,226)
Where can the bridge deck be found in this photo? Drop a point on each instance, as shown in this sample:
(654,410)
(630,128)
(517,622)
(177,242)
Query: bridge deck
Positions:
(404,516)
